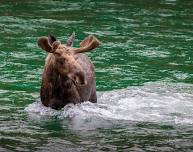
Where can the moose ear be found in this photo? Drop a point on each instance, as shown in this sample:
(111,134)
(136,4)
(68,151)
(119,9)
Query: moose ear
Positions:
(44,44)
(91,42)
(51,39)
(88,44)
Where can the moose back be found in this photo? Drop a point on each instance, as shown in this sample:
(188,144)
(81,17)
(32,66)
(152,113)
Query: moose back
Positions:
(69,75)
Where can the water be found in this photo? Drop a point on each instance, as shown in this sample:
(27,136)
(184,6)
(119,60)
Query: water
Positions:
(143,71)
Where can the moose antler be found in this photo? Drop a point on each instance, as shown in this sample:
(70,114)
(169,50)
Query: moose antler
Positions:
(88,44)
(70,40)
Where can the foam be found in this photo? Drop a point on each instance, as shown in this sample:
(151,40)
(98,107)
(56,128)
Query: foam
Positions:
(153,102)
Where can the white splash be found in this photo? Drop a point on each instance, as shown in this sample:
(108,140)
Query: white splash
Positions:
(153,102)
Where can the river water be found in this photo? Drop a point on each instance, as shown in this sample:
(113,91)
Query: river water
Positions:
(143,71)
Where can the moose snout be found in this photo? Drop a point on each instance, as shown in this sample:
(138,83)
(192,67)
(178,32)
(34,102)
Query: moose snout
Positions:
(78,77)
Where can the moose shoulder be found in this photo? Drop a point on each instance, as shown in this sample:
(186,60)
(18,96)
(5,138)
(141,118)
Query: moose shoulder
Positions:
(69,75)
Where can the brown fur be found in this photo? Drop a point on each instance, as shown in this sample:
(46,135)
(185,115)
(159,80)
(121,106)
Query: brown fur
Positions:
(72,81)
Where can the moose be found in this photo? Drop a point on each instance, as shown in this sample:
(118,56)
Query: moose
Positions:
(69,75)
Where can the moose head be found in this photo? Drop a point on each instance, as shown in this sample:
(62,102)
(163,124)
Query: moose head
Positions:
(65,55)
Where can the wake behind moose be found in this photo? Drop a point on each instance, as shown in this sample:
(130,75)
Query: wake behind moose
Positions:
(69,75)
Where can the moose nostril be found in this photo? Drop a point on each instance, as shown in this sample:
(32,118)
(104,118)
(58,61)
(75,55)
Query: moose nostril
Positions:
(82,82)
(80,76)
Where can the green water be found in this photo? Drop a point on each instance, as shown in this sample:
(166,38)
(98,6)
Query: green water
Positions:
(141,42)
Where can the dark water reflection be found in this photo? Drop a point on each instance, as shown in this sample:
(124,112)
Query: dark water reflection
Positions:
(142,41)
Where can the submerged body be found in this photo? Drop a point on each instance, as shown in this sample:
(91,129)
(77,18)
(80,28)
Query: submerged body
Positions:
(69,75)
(58,90)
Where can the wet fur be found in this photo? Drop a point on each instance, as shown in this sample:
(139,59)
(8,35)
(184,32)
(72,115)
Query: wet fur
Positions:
(57,90)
